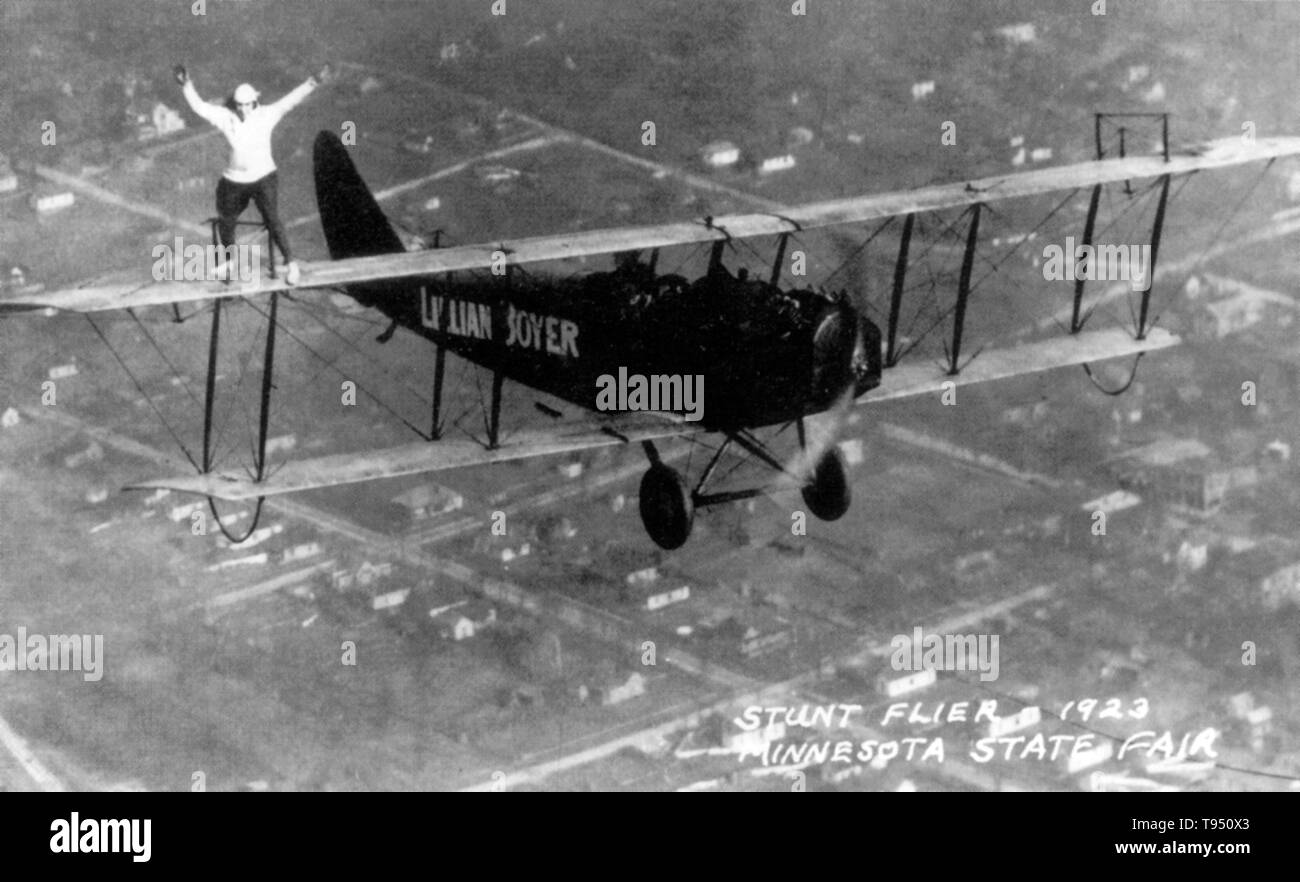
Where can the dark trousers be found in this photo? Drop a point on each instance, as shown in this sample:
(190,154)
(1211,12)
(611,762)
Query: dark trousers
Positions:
(232,199)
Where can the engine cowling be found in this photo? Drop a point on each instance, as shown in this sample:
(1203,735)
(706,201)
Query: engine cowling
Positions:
(836,339)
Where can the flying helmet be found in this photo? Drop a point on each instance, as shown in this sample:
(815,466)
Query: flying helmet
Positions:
(246,94)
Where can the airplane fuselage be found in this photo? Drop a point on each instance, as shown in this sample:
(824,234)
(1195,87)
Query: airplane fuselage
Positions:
(759,355)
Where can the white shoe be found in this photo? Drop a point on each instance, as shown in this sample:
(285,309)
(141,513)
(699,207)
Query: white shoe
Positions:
(292,273)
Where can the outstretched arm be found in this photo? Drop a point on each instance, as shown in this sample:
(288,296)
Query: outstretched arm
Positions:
(298,95)
(210,112)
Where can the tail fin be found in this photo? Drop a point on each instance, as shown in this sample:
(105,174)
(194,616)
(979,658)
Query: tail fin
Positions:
(355,226)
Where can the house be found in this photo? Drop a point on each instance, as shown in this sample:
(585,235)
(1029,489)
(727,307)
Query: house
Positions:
(1196,490)
(364,575)
(1192,556)
(93,453)
(47,198)
(1178,471)
(666,598)
(773,164)
(645,576)
(1024,32)
(1278,449)
(619,692)
(752,742)
(720,154)
(301,552)
(281,443)
(755,642)
(1280,586)
(504,548)
(1269,573)
(464,620)
(429,500)
(1241,704)
(418,144)
(1083,529)
(186,510)
(1216,319)
(892,687)
(1223,306)
(390,599)
(15,279)
(1112,502)
(252,560)
(799,136)
(975,562)
(555,528)
(1025,413)
(165,120)
(8,180)
(851,449)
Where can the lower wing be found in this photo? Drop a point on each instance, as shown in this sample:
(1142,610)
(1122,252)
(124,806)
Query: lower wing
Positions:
(433,456)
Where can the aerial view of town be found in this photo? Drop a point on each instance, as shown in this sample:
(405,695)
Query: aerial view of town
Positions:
(1070,578)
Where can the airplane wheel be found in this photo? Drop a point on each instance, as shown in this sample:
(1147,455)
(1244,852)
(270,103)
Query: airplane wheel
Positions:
(666,507)
(828,494)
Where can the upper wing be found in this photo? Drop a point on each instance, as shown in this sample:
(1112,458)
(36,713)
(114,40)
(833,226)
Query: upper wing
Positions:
(1215,154)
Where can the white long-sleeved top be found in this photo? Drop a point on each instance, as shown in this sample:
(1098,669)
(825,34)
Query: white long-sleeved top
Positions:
(250,138)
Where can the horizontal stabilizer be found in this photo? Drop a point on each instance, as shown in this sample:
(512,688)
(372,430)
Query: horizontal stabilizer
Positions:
(922,377)
(423,456)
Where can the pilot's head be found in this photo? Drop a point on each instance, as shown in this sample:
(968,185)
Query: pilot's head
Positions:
(244,100)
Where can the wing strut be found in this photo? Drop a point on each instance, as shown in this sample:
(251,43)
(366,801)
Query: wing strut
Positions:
(439,373)
(494,422)
(211,390)
(780,258)
(268,363)
(1155,251)
(1076,323)
(963,289)
(440,356)
(896,298)
(715,257)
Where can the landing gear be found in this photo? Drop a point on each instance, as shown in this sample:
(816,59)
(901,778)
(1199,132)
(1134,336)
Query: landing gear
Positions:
(667,509)
(828,494)
(668,504)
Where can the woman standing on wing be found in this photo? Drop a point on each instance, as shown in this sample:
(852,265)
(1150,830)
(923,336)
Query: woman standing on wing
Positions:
(250,173)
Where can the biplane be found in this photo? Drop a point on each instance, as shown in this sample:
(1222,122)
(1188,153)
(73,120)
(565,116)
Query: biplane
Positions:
(771,353)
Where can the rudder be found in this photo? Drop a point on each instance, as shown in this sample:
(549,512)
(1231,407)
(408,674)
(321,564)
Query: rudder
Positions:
(354,224)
